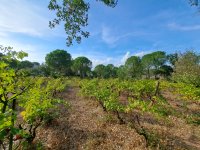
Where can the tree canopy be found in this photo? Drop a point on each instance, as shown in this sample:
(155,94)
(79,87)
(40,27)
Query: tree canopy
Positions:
(59,61)
(74,14)
(153,61)
(181,67)
(187,68)
(108,71)
(133,67)
(82,66)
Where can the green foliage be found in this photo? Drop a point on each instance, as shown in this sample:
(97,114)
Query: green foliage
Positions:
(133,67)
(25,64)
(121,72)
(165,70)
(37,103)
(37,97)
(186,91)
(172,58)
(193,119)
(194,2)
(108,71)
(153,61)
(140,95)
(74,14)
(100,71)
(82,66)
(59,62)
(187,69)
(111,71)
(12,84)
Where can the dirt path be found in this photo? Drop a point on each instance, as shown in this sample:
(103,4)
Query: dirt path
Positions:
(86,126)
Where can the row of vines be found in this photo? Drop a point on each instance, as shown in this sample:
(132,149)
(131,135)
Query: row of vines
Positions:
(25,102)
(138,97)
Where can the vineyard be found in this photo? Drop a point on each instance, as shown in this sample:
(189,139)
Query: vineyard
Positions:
(72,113)
(165,115)
(121,77)
(138,103)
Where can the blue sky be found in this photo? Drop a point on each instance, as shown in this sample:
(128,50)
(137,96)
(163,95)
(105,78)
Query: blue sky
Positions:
(133,27)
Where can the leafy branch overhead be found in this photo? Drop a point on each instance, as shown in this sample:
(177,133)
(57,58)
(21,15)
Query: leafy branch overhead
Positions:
(194,2)
(74,14)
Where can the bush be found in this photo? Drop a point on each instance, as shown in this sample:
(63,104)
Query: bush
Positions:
(187,69)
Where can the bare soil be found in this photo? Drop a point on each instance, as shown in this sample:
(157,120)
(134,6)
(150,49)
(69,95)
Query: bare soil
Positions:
(85,126)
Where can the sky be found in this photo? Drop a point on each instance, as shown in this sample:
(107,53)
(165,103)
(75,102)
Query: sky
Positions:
(133,27)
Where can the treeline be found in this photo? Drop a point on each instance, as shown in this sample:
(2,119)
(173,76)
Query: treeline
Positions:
(181,67)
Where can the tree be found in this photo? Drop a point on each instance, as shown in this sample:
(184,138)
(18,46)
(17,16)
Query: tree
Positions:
(121,72)
(165,70)
(194,2)
(108,71)
(172,58)
(44,70)
(153,62)
(158,60)
(25,64)
(35,64)
(59,62)
(100,71)
(82,66)
(146,64)
(133,67)
(111,70)
(187,68)
(74,14)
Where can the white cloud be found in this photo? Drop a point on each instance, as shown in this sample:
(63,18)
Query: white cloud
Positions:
(125,57)
(129,54)
(117,61)
(30,20)
(109,37)
(112,36)
(175,26)
(35,52)
(24,17)
(142,53)
(105,61)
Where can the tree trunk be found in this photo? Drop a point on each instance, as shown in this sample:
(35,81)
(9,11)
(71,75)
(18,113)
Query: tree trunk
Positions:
(157,88)
(12,124)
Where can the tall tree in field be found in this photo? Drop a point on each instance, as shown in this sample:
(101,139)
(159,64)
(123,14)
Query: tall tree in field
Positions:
(59,61)
(165,71)
(100,71)
(158,60)
(82,66)
(108,71)
(172,58)
(121,72)
(153,62)
(147,64)
(25,64)
(111,70)
(133,67)
(187,68)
